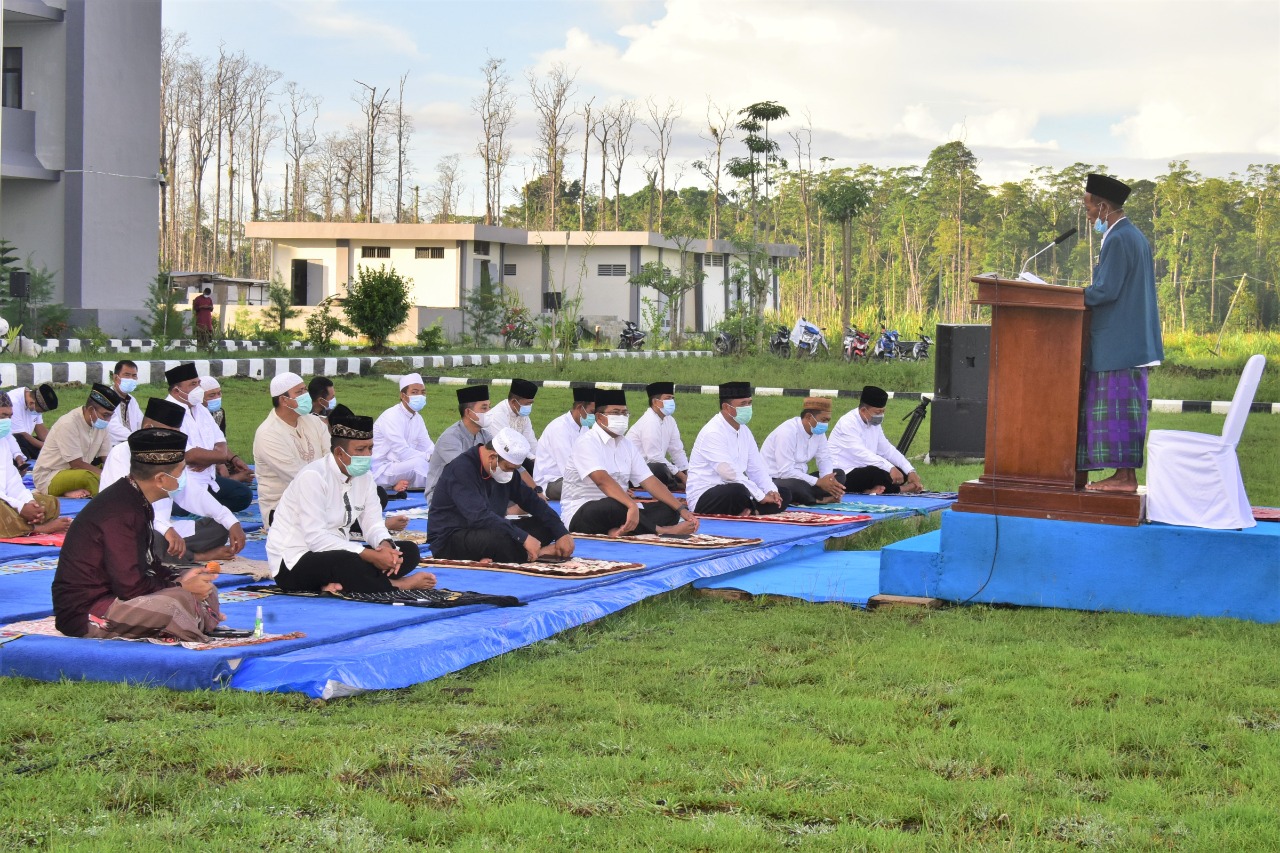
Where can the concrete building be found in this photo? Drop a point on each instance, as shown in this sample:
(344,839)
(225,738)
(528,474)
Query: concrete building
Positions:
(446,262)
(81,148)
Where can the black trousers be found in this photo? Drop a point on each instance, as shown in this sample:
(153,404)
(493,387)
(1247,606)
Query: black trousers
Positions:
(315,569)
(554,489)
(664,475)
(733,498)
(28,449)
(208,535)
(603,515)
(479,544)
(803,494)
(862,479)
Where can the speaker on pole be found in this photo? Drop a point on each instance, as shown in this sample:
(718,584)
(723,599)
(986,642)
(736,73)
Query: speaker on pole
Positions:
(19,284)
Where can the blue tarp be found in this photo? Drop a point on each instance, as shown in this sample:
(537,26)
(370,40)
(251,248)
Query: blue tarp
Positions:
(810,573)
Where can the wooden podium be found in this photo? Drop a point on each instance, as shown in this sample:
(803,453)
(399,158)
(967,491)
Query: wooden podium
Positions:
(1038,337)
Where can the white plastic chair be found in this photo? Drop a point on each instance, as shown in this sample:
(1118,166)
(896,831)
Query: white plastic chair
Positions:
(1193,479)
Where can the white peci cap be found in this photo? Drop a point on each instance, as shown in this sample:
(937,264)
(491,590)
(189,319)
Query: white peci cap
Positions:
(282,382)
(511,446)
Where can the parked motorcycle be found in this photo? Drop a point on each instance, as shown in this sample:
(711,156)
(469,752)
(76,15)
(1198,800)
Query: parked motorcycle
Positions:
(780,343)
(915,350)
(725,343)
(632,337)
(855,344)
(887,346)
(808,339)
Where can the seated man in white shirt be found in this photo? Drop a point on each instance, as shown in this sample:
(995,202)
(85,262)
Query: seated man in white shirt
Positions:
(209,460)
(658,437)
(402,445)
(514,414)
(214,533)
(286,441)
(871,464)
(727,474)
(309,547)
(29,407)
(789,450)
(603,462)
(21,511)
(128,415)
(558,439)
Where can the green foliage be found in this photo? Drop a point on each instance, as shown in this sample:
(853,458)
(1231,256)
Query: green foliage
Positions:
(43,315)
(432,338)
(280,309)
(483,309)
(92,338)
(163,319)
(672,285)
(517,328)
(377,303)
(323,325)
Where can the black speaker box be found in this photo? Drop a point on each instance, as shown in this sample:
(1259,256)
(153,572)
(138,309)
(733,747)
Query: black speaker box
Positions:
(551,300)
(960,371)
(18,284)
(958,429)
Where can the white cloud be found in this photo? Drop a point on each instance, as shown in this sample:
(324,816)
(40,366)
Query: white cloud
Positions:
(324,18)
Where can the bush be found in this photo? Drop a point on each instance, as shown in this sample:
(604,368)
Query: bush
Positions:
(163,319)
(322,326)
(93,339)
(377,304)
(280,308)
(432,338)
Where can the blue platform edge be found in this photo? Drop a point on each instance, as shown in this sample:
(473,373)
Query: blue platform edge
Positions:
(810,573)
(1155,569)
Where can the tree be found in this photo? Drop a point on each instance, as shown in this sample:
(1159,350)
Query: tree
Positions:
(444,193)
(280,308)
(662,124)
(404,129)
(551,103)
(843,198)
(622,120)
(374,109)
(720,128)
(377,303)
(496,108)
(300,114)
(673,285)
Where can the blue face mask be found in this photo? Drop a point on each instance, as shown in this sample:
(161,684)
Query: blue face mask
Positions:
(668,407)
(99,423)
(588,421)
(6,427)
(417,402)
(820,428)
(743,415)
(214,405)
(525,410)
(1100,224)
(182,482)
(128,386)
(304,404)
(358,466)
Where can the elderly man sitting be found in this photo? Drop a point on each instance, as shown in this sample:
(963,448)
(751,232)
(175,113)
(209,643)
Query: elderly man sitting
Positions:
(309,546)
(71,459)
(21,511)
(603,462)
(286,441)
(109,582)
(872,465)
(727,474)
(468,518)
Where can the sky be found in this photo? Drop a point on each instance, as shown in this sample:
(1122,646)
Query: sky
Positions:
(1129,84)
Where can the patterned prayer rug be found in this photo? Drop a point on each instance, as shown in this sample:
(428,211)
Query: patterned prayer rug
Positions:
(1261,513)
(793,516)
(863,507)
(17,567)
(45,539)
(574,567)
(416,512)
(45,628)
(411,597)
(692,540)
(239,595)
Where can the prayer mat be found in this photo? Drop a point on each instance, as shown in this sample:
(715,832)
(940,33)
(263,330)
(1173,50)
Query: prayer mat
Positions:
(238,565)
(48,540)
(691,540)
(239,595)
(863,507)
(410,597)
(793,516)
(15,567)
(416,512)
(259,535)
(1260,513)
(574,567)
(416,536)
(45,628)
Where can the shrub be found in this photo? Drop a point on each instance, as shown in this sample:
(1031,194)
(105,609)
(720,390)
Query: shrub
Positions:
(432,338)
(322,326)
(377,304)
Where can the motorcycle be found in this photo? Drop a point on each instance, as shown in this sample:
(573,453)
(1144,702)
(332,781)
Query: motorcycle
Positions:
(725,343)
(887,346)
(780,343)
(807,338)
(915,350)
(855,344)
(632,337)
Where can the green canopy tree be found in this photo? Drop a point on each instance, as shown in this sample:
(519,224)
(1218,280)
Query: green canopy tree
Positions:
(377,303)
(843,198)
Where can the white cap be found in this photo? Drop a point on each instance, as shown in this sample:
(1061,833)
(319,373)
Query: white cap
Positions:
(410,379)
(4,326)
(511,446)
(282,382)
(208,383)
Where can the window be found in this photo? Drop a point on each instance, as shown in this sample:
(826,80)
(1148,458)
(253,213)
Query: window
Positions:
(427,253)
(13,77)
(611,269)
(375,251)
(715,260)
(482,247)
(508,269)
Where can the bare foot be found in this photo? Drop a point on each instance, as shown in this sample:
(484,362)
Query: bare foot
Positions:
(58,525)
(417,580)
(828,499)
(1123,481)
(874,490)
(397,522)
(746,513)
(223,553)
(77,493)
(687,525)
(331,587)
(910,489)
(615,532)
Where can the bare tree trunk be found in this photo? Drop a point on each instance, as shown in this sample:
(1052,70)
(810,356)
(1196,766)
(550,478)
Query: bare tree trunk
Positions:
(496,107)
(299,138)
(662,121)
(586,151)
(400,142)
(601,132)
(550,102)
(374,110)
(624,122)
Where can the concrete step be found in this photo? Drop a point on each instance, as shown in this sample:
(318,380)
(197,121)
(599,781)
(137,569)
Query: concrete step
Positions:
(910,567)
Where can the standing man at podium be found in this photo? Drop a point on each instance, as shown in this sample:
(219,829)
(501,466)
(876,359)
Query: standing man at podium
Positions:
(1124,341)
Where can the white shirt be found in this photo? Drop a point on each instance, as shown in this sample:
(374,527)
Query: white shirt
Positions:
(658,438)
(557,444)
(9,448)
(195,498)
(124,420)
(722,454)
(203,433)
(596,450)
(501,416)
(24,419)
(316,512)
(790,448)
(857,444)
(280,451)
(401,447)
(12,490)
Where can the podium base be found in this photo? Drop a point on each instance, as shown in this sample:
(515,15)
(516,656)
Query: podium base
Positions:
(1059,504)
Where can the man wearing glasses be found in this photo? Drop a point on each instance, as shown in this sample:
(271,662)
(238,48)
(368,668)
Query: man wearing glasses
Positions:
(70,462)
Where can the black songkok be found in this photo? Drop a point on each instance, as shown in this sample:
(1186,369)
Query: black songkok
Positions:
(104,396)
(873,397)
(46,397)
(584,394)
(610,397)
(473,394)
(343,425)
(734,391)
(524,389)
(1107,188)
(181,373)
(657,389)
(162,411)
(157,446)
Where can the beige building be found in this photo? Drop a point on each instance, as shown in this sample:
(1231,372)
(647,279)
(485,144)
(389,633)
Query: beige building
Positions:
(446,262)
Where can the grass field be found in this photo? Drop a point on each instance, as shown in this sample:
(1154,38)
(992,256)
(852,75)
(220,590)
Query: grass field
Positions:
(686,723)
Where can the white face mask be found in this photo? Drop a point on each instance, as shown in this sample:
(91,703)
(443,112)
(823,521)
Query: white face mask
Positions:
(195,397)
(618,424)
(501,475)
(481,418)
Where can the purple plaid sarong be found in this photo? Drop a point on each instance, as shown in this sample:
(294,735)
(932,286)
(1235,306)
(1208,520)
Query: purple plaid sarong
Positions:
(1113,420)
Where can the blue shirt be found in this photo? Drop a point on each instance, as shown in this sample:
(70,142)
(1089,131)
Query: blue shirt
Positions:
(1124,323)
(468,498)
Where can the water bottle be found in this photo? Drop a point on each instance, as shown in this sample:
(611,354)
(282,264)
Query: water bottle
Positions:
(257,624)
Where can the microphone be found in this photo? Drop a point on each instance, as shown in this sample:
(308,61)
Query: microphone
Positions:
(1060,238)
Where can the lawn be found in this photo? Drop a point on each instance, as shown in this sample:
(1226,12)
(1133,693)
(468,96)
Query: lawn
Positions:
(691,723)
